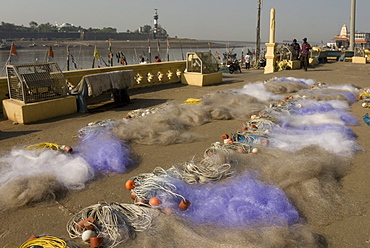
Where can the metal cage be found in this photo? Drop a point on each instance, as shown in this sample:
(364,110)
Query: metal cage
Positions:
(35,82)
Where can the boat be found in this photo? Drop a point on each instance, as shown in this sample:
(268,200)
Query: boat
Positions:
(5,46)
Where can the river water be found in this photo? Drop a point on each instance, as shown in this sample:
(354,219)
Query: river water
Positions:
(81,57)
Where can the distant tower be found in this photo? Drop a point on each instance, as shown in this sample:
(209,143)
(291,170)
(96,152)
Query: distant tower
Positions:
(155,31)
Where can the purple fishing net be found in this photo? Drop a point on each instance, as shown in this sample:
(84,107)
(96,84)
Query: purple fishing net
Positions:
(105,152)
(240,201)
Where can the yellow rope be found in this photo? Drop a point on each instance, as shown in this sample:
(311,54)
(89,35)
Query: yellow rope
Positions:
(193,101)
(46,242)
(10,244)
(47,145)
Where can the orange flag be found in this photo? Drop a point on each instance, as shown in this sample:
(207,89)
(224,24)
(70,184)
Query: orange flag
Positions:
(50,52)
(12,50)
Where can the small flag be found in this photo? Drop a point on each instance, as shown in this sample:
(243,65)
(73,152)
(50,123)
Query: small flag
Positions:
(12,50)
(96,54)
(50,52)
(110,55)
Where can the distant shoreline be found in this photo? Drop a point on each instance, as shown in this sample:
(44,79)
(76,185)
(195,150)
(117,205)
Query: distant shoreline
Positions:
(122,44)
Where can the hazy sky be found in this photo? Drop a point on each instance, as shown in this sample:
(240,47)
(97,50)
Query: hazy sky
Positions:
(234,20)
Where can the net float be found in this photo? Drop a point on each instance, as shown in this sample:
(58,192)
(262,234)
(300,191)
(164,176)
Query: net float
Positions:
(32,237)
(130,184)
(86,224)
(68,149)
(240,150)
(139,201)
(133,195)
(184,204)
(86,235)
(154,201)
(254,150)
(96,242)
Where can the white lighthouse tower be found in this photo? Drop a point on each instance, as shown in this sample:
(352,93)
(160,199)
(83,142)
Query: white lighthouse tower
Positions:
(155,31)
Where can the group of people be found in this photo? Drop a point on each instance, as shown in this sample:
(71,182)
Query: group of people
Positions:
(143,61)
(303,52)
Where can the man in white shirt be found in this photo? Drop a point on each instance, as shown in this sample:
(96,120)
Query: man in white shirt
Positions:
(247,59)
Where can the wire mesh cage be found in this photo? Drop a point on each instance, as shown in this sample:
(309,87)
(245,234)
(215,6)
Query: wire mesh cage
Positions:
(35,82)
(203,62)
(359,52)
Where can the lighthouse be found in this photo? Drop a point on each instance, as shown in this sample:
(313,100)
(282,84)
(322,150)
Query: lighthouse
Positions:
(155,31)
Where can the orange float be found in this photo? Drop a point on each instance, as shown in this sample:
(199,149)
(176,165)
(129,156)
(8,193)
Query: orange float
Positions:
(154,201)
(68,149)
(86,224)
(184,204)
(240,150)
(225,136)
(130,184)
(133,195)
(96,242)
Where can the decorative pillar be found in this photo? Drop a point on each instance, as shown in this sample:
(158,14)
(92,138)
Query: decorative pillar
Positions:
(271,46)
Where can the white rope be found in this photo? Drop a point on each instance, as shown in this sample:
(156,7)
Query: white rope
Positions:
(115,222)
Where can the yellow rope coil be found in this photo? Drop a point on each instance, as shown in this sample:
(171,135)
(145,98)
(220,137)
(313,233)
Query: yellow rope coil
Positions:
(46,242)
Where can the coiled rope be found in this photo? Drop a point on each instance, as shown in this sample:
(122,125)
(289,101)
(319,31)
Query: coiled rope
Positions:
(113,221)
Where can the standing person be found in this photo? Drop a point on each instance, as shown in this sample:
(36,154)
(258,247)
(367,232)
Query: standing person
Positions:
(296,47)
(247,59)
(142,61)
(305,51)
(157,59)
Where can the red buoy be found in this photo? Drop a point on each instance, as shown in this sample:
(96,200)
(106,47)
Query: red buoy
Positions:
(225,136)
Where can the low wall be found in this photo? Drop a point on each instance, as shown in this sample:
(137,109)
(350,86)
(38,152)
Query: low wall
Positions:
(144,75)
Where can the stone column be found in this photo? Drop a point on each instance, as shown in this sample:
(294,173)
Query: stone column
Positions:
(271,46)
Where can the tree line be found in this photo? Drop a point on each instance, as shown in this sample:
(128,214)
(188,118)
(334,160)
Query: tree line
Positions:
(48,27)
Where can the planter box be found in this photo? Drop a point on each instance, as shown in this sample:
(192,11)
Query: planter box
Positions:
(24,113)
(199,79)
(358,60)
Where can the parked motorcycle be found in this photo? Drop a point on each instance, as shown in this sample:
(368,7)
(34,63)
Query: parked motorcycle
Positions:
(234,66)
